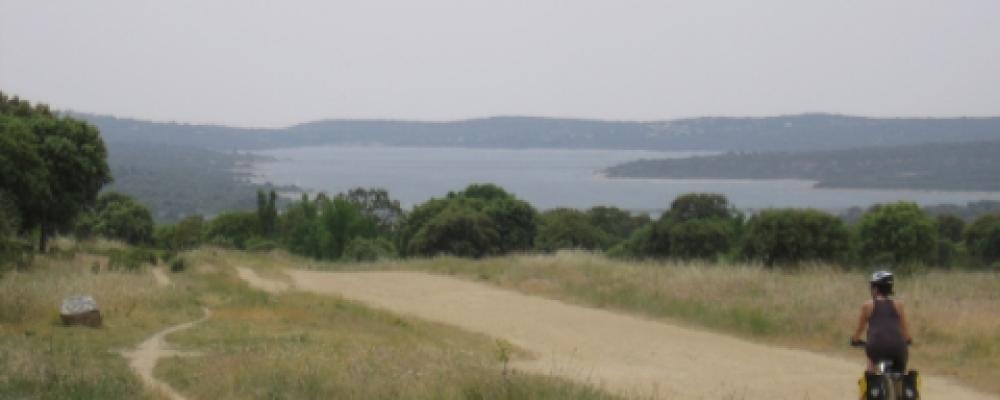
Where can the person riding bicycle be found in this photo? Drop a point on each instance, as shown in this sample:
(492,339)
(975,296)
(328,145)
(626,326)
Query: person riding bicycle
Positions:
(888,334)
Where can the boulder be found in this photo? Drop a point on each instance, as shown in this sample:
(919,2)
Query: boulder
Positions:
(80,310)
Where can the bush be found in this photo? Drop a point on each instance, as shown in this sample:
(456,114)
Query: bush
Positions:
(897,233)
(700,238)
(363,249)
(257,243)
(131,259)
(983,239)
(233,229)
(790,236)
(178,264)
(566,228)
(458,230)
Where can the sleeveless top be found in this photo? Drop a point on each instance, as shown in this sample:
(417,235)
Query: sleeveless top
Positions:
(883,325)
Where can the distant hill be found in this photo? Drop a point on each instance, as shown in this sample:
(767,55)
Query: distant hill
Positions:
(973,166)
(783,133)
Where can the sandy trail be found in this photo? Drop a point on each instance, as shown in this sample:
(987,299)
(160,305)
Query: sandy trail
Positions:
(161,277)
(143,359)
(258,282)
(625,354)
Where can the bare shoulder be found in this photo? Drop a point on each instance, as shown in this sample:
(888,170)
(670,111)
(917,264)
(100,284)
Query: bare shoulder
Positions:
(868,306)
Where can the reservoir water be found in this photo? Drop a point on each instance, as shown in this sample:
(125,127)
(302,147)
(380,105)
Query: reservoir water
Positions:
(550,178)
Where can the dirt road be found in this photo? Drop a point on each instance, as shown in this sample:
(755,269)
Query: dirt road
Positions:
(143,359)
(625,354)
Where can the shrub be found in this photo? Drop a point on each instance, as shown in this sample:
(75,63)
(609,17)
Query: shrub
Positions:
(700,238)
(897,233)
(257,243)
(790,236)
(363,249)
(983,239)
(457,230)
(566,228)
(178,264)
(130,259)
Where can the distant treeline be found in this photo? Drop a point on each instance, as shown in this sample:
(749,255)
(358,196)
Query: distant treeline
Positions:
(783,133)
(972,166)
(485,220)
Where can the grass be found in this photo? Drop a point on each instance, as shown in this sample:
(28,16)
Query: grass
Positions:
(41,359)
(300,345)
(255,345)
(953,314)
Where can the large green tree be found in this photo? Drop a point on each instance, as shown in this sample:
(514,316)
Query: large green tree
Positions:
(72,155)
(514,221)
(897,233)
(790,236)
(458,230)
(983,238)
(567,228)
(117,216)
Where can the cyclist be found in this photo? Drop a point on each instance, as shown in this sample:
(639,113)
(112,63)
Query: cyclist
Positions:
(887,328)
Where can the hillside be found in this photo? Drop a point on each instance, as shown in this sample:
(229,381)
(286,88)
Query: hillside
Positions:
(177,181)
(943,166)
(781,133)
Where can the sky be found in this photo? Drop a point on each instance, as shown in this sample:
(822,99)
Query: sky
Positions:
(271,63)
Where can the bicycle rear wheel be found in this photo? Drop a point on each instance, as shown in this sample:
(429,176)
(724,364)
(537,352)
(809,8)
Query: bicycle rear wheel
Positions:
(888,388)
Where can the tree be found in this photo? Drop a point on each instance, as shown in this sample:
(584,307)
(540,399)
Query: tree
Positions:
(897,233)
(117,216)
(514,221)
(950,227)
(376,203)
(72,155)
(457,230)
(790,236)
(339,222)
(691,206)
(983,238)
(566,228)
(298,227)
(617,223)
(188,233)
(23,174)
(267,213)
(233,228)
(700,238)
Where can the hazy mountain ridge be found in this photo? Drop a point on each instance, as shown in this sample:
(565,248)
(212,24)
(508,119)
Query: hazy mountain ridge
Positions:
(782,133)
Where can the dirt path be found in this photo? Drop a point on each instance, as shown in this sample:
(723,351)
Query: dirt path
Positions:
(161,277)
(258,282)
(622,353)
(143,359)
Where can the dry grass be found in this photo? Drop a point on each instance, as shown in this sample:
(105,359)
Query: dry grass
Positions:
(40,359)
(255,345)
(954,314)
(299,345)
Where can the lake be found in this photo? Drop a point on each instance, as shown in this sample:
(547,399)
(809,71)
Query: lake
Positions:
(550,178)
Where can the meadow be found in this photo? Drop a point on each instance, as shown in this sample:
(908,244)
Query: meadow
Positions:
(256,345)
(953,314)
(300,345)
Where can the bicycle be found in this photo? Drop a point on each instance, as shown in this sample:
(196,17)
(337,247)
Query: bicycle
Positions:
(889,384)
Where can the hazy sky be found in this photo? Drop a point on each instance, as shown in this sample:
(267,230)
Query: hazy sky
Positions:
(272,63)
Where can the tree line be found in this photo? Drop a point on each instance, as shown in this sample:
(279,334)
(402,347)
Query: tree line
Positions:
(485,220)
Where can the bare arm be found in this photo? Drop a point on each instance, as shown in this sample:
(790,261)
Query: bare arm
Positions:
(866,312)
(903,325)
